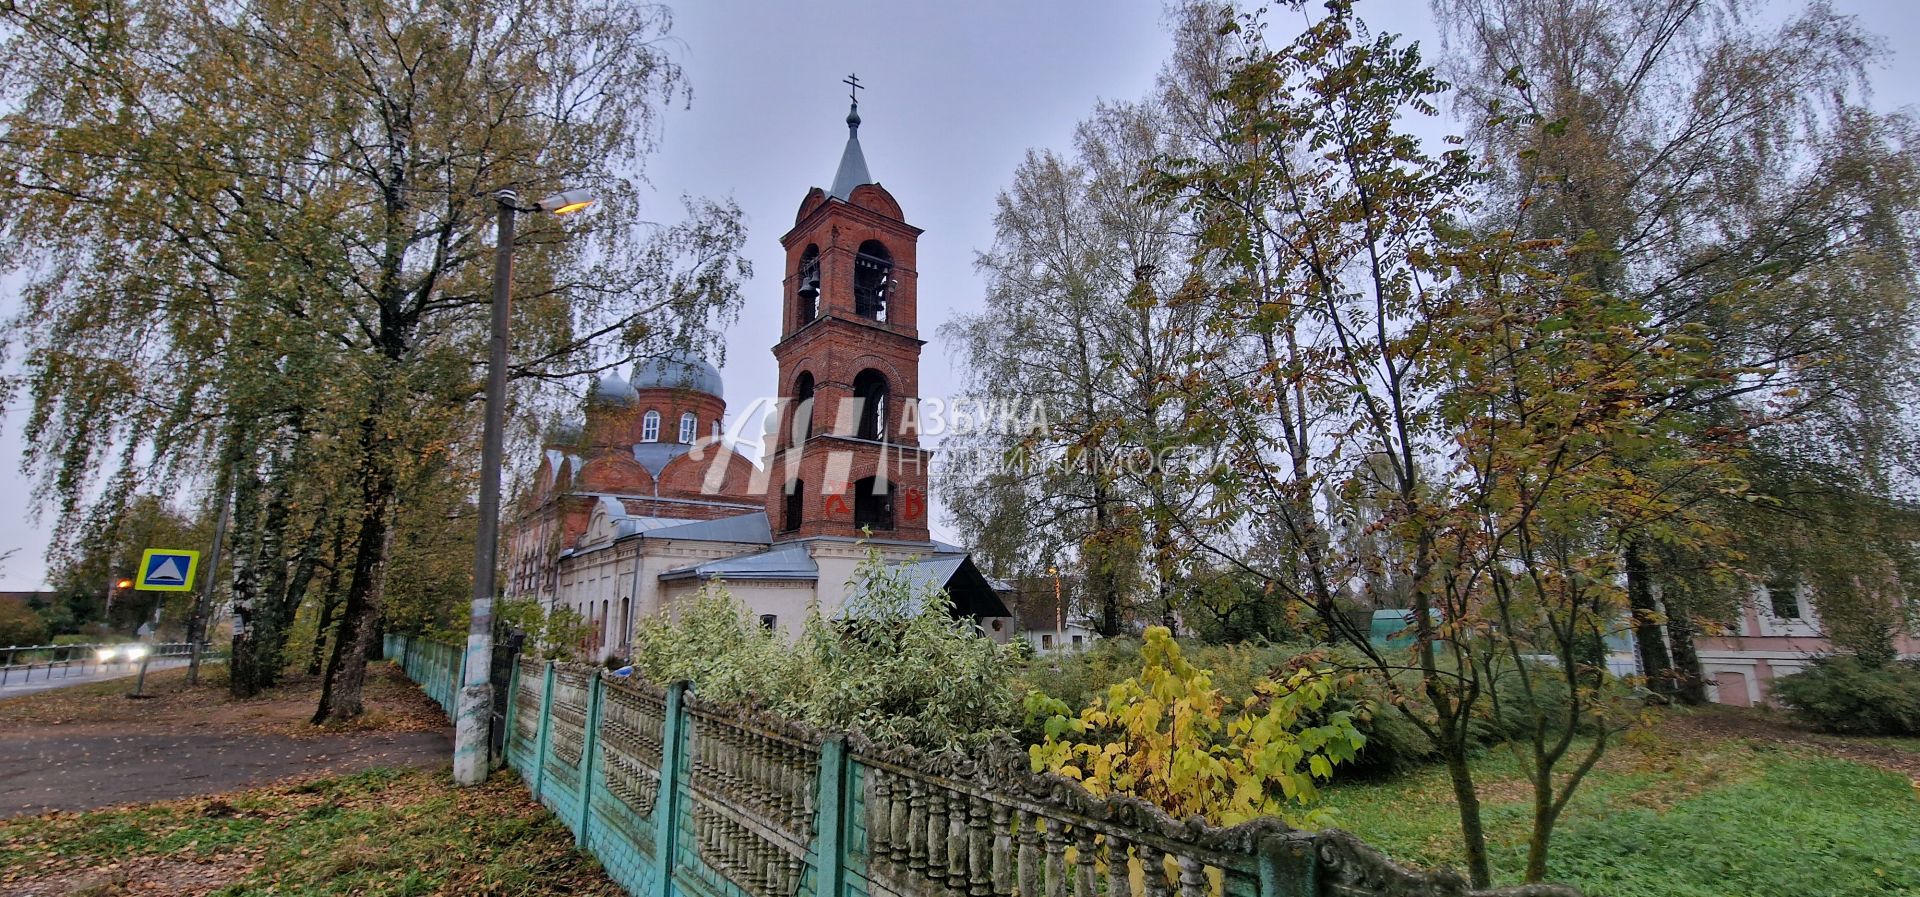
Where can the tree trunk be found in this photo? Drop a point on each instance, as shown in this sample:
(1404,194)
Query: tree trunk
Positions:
(243,666)
(340,691)
(1690,681)
(1648,639)
(269,631)
(329,600)
(1105,587)
(1473,835)
(340,698)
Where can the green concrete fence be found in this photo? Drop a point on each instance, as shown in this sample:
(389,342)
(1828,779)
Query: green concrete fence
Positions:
(680,798)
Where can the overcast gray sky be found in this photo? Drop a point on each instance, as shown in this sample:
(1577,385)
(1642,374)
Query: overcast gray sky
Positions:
(956,94)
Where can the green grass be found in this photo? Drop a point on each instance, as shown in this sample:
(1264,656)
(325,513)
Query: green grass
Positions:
(1673,820)
(381,832)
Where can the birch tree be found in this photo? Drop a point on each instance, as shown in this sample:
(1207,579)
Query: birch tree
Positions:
(1707,149)
(273,220)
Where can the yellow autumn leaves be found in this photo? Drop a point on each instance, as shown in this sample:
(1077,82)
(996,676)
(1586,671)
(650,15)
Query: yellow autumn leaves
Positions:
(1169,737)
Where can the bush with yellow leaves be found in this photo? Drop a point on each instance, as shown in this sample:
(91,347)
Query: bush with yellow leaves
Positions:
(1169,737)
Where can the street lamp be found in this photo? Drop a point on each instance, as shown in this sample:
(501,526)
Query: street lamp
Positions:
(474,716)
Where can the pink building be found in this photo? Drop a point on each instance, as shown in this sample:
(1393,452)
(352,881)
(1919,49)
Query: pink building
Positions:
(1778,634)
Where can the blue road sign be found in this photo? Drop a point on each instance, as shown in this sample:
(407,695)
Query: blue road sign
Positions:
(167,570)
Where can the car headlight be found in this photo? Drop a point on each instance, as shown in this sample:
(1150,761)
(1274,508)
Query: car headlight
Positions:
(106,654)
(136,652)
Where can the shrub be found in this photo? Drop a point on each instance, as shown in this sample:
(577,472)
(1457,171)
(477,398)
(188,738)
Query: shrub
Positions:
(898,666)
(1841,694)
(1169,736)
(551,634)
(19,625)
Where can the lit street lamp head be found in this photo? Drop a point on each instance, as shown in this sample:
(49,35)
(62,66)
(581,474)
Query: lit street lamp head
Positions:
(568,201)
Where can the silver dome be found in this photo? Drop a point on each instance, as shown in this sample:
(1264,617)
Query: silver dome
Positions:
(679,370)
(612,390)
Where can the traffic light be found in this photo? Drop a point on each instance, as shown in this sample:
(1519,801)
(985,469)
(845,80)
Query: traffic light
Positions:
(124,584)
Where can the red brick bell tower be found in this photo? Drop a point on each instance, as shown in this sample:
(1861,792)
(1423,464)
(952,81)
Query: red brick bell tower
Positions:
(848,459)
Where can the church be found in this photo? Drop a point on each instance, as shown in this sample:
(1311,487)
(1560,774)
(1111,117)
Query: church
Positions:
(635,509)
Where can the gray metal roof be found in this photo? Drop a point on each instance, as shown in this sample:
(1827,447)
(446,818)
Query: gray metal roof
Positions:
(788,561)
(678,370)
(654,455)
(751,527)
(853,162)
(955,574)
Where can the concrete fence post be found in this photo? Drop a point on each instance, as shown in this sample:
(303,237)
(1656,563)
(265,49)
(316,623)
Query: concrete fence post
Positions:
(666,806)
(513,690)
(1287,866)
(830,841)
(540,743)
(590,741)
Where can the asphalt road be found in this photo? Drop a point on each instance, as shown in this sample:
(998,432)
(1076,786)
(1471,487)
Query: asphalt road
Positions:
(23,682)
(62,769)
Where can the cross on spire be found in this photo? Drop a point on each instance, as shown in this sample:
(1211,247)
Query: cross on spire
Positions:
(853,87)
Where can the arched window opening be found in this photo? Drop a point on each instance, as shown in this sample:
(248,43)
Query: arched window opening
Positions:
(801,425)
(796,503)
(689,427)
(872,504)
(809,284)
(626,622)
(872,280)
(603,624)
(650,427)
(870,392)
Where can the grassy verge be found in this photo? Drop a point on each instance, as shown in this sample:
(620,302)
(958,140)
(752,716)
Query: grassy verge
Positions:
(1673,817)
(381,832)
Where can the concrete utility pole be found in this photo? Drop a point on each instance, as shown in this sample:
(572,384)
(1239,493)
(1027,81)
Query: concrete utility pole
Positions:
(203,606)
(472,721)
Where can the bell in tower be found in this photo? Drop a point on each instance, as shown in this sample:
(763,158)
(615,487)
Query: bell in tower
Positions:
(847,460)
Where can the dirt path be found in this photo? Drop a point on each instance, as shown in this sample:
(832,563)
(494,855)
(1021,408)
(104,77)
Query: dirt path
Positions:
(89,746)
(1730,722)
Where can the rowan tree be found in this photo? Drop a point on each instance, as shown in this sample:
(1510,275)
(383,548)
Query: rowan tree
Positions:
(1371,343)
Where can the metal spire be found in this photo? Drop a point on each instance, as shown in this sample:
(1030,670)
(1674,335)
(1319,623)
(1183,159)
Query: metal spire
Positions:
(853,163)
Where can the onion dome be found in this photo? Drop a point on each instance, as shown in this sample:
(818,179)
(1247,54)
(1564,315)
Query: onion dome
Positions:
(612,390)
(678,370)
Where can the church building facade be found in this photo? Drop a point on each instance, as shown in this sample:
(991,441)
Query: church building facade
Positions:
(632,512)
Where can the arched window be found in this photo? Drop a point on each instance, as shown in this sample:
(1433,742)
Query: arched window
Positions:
(650,427)
(809,285)
(689,427)
(872,504)
(870,392)
(872,280)
(626,622)
(796,498)
(603,624)
(801,425)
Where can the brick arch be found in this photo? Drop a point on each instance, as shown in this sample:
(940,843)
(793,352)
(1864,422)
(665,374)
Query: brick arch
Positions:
(614,471)
(845,371)
(814,198)
(710,472)
(911,503)
(874,198)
